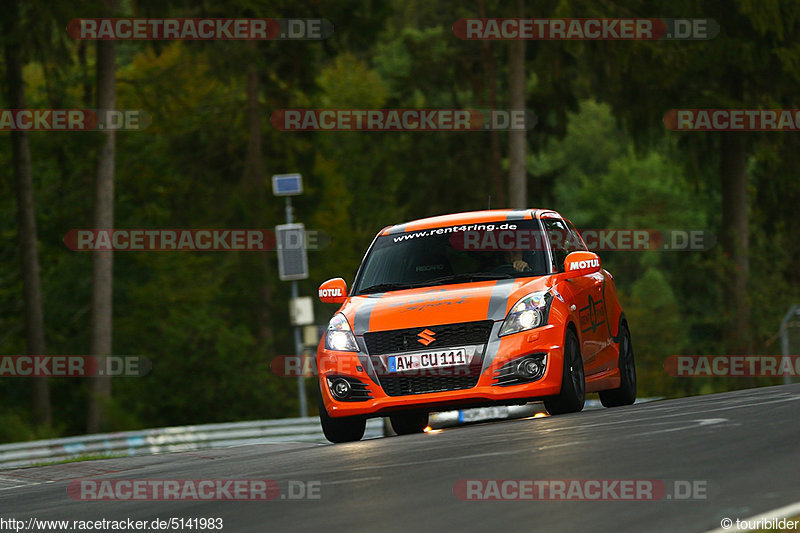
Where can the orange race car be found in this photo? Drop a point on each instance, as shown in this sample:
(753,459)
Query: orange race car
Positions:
(472,309)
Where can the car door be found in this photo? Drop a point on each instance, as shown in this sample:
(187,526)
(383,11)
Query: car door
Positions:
(587,292)
(594,320)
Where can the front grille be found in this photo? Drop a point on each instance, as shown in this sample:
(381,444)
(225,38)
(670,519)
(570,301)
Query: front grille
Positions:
(407,340)
(404,385)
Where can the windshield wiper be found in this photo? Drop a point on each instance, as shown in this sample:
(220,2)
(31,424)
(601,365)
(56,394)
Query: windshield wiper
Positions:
(383,287)
(475,276)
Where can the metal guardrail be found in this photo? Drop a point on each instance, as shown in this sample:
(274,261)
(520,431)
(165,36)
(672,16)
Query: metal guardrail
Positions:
(187,438)
(171,439)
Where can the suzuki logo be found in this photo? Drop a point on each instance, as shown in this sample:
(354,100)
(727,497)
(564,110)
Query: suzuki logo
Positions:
(426,337)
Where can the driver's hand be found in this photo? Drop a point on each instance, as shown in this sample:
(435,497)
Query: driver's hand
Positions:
(521,266)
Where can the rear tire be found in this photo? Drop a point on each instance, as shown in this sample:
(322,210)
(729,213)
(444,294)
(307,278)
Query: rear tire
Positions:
(343,429)
(409,423)
(573,382)
(626,393)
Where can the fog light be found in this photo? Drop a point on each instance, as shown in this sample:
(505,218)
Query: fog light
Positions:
(341,389)
(529,368)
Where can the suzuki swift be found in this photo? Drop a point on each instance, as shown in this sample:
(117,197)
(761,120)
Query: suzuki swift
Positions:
(474,309)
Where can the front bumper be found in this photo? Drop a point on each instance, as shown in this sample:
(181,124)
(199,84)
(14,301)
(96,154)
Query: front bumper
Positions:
(546,340)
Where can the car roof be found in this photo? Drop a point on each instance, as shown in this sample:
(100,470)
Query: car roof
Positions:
(470,217)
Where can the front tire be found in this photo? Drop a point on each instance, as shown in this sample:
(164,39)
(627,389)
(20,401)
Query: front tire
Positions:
(626,393)
(573,382)
(344,429)
(409,423)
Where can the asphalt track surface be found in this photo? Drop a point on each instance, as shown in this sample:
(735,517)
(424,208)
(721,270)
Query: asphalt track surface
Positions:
(743,446)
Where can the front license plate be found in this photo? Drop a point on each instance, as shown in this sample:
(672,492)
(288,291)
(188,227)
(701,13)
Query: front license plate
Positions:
(418,361)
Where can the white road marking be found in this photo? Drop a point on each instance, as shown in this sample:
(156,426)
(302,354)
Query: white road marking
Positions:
(685,413)
(20,483)
(702,422)
(441,459)
(355,480)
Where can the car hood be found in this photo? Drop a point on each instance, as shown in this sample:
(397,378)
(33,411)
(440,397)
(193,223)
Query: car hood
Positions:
(441,304)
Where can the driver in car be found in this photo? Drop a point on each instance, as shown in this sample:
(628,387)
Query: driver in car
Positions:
(514,258)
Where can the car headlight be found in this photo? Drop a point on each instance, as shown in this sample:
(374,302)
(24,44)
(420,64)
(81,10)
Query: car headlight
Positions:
(339,336)
(528,313)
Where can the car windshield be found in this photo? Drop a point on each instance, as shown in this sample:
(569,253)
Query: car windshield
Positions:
(454,254)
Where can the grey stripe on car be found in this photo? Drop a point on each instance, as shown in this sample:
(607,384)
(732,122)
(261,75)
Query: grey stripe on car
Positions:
(361,326)
(400,228)
(498,302)
(517,214)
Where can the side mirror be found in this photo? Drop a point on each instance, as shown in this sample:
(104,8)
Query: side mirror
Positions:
(333,291)
(581,263)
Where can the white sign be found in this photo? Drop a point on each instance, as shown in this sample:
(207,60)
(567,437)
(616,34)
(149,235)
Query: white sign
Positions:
(301,311)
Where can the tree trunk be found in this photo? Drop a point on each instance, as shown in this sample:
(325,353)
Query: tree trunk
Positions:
(517,183)
(26,217)
(255,183)
(498,186)
(735,239)
(103,261)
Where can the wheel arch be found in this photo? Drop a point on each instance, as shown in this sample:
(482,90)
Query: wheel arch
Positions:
(571,326)
(622,321)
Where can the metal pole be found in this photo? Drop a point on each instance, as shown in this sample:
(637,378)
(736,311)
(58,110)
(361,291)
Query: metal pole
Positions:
(785,337)
(298,343)
(298,349)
